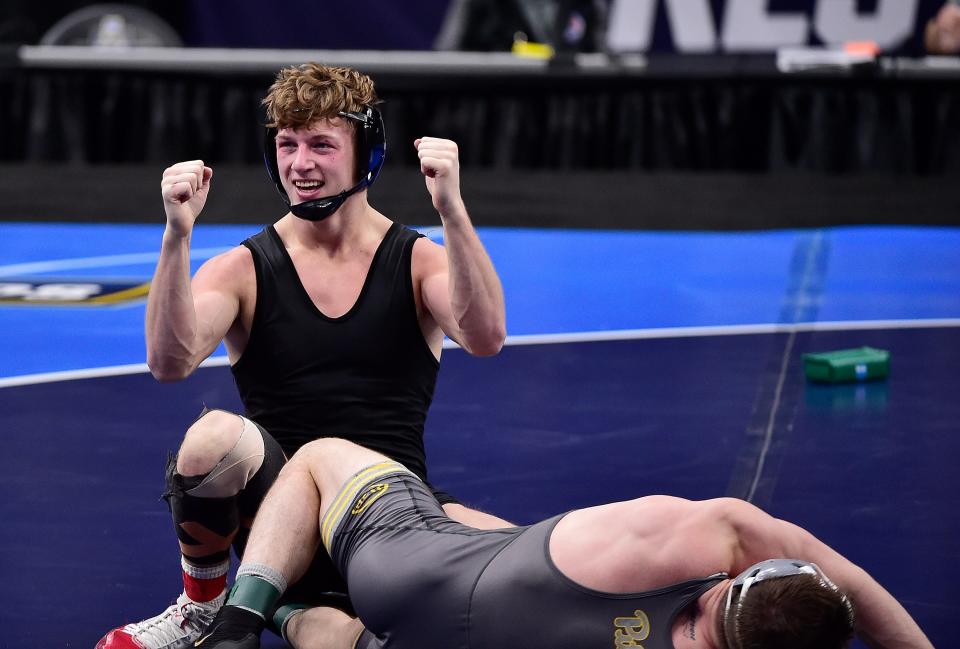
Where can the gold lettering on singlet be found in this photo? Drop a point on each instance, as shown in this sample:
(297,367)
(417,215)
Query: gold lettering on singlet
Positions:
(630,631)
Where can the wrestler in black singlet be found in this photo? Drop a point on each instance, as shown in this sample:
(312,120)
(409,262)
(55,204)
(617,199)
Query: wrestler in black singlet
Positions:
(367,376)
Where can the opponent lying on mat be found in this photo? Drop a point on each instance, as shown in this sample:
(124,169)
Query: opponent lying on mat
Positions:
(653,572)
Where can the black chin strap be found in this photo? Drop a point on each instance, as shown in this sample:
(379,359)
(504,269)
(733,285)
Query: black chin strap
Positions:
(320,208)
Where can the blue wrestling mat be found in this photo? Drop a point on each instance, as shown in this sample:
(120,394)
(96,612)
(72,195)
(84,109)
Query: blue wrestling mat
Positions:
(637,363)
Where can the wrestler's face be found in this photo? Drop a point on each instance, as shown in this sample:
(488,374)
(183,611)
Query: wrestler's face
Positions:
(316,161)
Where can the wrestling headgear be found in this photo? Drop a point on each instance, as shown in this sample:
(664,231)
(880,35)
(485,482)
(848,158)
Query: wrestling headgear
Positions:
(771,569)
(372,148)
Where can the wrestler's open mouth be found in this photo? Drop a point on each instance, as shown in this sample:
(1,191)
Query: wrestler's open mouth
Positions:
(308,187)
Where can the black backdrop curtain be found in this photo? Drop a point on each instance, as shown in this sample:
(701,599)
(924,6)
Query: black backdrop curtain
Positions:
(849,124)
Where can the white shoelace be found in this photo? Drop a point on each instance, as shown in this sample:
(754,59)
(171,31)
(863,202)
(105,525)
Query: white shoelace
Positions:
(176,627)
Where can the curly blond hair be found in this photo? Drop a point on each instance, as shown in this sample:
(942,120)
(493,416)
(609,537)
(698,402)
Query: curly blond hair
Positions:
(303,94)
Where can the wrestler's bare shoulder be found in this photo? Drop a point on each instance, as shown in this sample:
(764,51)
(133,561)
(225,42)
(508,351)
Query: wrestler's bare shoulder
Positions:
(235,266)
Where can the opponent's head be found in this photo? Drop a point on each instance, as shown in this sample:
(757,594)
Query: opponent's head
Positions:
(303,97)
(787,604)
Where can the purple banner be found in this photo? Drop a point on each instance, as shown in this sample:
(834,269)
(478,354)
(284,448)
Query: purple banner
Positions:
(682,26)
(316,24)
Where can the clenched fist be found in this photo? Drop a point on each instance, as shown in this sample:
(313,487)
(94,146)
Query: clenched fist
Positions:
(184,187)
(440,165)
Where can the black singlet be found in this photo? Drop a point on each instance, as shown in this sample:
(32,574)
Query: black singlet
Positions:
(367,376)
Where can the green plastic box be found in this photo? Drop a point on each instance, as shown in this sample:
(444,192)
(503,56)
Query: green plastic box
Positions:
(846,365)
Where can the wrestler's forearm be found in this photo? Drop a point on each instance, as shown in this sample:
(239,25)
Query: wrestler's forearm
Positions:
(476,295)
(171,320)
(881,622)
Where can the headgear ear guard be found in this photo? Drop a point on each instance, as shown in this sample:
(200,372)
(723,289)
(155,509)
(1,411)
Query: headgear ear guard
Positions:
(372,149)
(772,569)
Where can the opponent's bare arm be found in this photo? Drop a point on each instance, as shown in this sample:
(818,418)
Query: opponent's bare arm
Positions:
(881,622)
(459,285)
(184,323)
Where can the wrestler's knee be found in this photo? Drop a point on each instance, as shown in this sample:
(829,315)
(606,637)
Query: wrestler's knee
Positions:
(207,441)
(325,447)
(318,453)
(332,458)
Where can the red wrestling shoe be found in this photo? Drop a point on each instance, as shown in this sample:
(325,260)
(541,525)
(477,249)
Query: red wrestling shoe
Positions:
(176,628)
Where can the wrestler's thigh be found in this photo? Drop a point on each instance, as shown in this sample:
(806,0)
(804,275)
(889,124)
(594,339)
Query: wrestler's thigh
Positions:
(332,463)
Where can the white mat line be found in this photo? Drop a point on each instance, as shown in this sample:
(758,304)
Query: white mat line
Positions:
(74,263)
(544,339)
(95,372)
(772,418)
(723,330)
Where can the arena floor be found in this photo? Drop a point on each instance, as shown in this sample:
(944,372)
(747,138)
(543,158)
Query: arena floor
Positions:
(637,363)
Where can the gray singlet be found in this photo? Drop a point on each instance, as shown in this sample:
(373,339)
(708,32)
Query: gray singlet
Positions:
(419,580)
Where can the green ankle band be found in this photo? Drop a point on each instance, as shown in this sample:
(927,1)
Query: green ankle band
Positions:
(283,615)
(254,593)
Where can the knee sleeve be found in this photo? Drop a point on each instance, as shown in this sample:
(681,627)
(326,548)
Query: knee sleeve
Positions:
(257,486)
(248,501)
(366,640)
(237,468)
(205,526)
(207,508)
